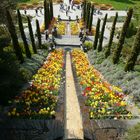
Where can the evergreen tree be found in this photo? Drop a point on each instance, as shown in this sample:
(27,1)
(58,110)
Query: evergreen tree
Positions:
(84,10)
(14,37)
(27,51)
(97,34)
(88,14)
(118,50)
(102,34)
(31,35)
(134,54)
(48,14)
(45,15)
(38,34)
(107,52)
(51,9)
(91,18)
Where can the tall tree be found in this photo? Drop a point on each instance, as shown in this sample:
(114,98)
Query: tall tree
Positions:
(118,50)
(38,34)
(8,5)
(31,35)
(91,18)
(48,13)
(88,14)
(45,15)
(134,54)
(97,34)
(102,34)
(107,52)
(84,10)
(28,53)
(14,37)
(51,9)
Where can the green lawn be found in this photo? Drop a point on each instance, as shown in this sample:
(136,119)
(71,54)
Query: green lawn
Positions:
(120,4)
(28,1)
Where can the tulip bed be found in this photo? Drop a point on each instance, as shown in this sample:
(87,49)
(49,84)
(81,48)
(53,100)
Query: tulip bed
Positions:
(105,101)
(40,99)
(74,28)
(61,26)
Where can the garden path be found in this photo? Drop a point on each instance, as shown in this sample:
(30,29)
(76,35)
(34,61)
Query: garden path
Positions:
(73,119)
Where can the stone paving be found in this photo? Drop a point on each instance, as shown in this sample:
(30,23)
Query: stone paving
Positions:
(73,118)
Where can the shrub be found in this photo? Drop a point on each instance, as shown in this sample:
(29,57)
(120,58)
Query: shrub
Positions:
(88,44)
(133,133)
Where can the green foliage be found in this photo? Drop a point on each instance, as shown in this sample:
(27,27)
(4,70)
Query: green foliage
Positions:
(119,19)
(4,41)
(9,75)
(102,34)
(91,18)
(23,48)
(107,52)
(13,34)
(84,10)
(88,44)
(45,15)
(120,4)
(117,53)
(13,75)
(132,30)
(28,53)
(45,46)
(51,9)
(135,52)
(88,14)
(115,74)
(133,133)
(38,34)
(6,5)
(97,34)
(31,35)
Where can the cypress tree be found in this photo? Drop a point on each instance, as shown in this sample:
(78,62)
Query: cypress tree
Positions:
(48,13)
(91,18)
(14,37)
(45,15)
(28,53)
(38,34)
(107,52)
(84,10)
(134,54)
(31,35)
(118,50)
(88,14)
(97,34)
(51,9)
(102,34)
